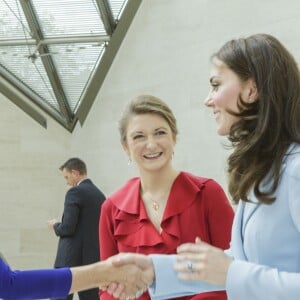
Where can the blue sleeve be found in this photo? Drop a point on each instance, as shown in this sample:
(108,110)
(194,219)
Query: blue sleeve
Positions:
(247,280)
(34,284)
(167,284)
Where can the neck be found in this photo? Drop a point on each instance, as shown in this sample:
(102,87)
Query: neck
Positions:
(81,179)
(158,182)
(155,192)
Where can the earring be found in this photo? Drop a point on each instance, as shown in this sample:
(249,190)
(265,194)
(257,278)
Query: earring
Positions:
(129,161)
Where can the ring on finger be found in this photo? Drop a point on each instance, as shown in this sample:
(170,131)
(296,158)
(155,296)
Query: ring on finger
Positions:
(190,266)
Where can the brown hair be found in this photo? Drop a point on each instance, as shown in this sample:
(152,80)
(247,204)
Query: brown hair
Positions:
(146,104)
(270,124)
(74,164)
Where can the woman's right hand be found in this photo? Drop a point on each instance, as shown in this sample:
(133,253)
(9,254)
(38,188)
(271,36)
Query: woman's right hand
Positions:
(201,261)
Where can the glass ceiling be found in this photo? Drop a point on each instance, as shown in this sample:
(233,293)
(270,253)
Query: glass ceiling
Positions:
(55,54)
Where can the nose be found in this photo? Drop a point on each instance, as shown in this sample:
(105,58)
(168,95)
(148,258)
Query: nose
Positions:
(151,143)
(208,101)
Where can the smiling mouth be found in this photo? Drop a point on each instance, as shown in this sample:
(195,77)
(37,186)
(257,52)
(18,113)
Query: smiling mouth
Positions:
(153,156)
(216,114)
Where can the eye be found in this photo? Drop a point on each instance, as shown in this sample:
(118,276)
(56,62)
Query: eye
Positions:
(214,85)
(160,132)
(138,136)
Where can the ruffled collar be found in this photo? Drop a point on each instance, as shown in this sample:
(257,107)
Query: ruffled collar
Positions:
(132,224)
(185,187)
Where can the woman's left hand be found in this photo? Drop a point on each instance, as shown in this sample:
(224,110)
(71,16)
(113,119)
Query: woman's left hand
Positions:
(201,261)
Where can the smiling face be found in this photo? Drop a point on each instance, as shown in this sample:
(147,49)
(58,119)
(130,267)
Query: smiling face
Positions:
(149,141)
(226,89)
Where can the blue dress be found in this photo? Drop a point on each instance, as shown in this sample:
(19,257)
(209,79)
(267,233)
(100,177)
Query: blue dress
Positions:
(34,284)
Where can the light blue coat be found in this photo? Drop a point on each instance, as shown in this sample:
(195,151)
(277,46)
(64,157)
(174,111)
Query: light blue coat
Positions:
(265,246)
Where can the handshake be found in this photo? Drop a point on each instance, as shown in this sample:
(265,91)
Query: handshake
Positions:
(124,276)
(128,275)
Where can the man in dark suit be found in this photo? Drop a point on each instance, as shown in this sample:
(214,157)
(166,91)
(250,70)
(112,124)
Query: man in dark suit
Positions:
(78,231)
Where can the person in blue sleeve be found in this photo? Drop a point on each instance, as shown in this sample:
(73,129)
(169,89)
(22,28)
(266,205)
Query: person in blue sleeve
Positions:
(255,99)
(40,284)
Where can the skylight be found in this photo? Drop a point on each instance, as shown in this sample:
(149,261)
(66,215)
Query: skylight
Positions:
(51,51)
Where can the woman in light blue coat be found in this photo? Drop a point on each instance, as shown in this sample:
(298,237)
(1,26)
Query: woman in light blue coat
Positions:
(255,98)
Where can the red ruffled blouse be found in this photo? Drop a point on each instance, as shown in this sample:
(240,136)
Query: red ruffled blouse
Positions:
(196,206)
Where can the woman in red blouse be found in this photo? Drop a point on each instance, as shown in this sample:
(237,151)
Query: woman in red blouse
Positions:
(164,207)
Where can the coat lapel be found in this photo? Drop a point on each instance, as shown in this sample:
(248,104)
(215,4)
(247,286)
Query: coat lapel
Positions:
(237,249)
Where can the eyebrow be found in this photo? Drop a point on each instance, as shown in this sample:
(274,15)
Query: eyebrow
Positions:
(135,132)
(165,128)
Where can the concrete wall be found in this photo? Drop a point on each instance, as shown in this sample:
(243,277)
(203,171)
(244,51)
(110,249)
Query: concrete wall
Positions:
(165,53)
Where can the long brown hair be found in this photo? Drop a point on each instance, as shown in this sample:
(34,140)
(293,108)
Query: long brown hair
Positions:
(270,124)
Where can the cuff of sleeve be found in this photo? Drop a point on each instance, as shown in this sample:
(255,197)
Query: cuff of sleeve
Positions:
(64,275)
(168,285)
(236,283)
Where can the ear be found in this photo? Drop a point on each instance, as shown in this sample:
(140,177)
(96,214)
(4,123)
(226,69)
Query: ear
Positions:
(251,91)
(75,173)
(174,139)
(125,148)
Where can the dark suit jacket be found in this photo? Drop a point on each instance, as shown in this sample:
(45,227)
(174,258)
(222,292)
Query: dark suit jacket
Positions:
(78,231)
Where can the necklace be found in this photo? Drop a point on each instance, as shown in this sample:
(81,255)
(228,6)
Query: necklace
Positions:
(155,202)
(155,205)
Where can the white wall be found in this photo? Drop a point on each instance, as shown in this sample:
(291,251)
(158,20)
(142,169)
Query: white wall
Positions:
(31,190)
(165,53)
